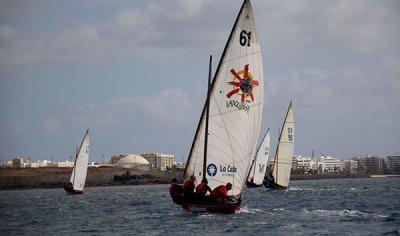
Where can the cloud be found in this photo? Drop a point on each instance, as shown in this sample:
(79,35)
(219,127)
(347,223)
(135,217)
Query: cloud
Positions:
(172,107)
(160,29)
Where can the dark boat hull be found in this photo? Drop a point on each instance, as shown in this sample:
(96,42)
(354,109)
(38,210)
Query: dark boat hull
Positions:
(274,186)
(229,206)
(252,185)
(212,208)
(70,190)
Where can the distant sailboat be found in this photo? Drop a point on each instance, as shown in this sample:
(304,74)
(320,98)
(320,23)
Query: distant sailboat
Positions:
(280,176)
(259,164)
(79,172)
(229,126)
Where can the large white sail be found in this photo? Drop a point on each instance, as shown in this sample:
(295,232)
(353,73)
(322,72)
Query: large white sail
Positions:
(284,152)
(259,165)
(236,102)
(78,176)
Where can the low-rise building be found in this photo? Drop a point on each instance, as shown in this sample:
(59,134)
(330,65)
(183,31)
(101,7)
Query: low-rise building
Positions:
(348,166)
(393,162)
(371,164)
(133,161)
(18,162)
(329,164)
(65,164)
(159,161)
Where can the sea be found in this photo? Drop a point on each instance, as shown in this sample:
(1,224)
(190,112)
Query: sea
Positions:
(367,206)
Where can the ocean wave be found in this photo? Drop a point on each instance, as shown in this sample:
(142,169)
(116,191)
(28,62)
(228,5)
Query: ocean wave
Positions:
(300,189)
(278,209)
(245,209)
(343,213)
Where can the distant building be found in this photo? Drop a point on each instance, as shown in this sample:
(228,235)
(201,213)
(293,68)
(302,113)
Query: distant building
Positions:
(371,164)
(30,164)
(303,163)
(393,162)
(7,164)
(42,163)
(329,164)
(18,162)
(180,164)
(116,158)
(65,164)
(159,161)
(133,161)
(348,166)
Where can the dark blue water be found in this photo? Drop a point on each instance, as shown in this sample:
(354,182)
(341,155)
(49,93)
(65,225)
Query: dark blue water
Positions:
(313,207)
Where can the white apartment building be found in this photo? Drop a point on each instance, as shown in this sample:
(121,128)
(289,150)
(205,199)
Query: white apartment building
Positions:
(329,164)
(348,166)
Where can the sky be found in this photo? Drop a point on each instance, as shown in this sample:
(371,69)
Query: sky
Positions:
(135,74)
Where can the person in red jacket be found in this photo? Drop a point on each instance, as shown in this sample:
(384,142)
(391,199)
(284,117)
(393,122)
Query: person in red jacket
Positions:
(220,193)
(202,189)
(188,188)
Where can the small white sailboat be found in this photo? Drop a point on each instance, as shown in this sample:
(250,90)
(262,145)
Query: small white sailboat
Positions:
(79,172)
(229,126)
(280,176)
(259,165)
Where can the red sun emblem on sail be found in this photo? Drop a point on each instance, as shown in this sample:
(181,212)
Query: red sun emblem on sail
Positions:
(242,86)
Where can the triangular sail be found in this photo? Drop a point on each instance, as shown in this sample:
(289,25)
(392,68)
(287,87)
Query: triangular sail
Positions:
(79,172)
(236,102)
(259,165)
(284,152)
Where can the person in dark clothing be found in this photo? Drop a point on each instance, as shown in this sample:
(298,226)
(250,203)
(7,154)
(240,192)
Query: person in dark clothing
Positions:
(175,190)
(269,180)
(202,189)
(68,187)
(220,193)
(188,189)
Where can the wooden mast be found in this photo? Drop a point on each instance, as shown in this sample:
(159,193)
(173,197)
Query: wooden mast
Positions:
(207,115)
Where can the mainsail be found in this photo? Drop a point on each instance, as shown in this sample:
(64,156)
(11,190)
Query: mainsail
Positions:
(235,113)
(284,150)
(259,165)
(78,176)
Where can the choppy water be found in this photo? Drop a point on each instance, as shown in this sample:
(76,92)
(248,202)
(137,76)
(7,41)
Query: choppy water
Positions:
(313,207)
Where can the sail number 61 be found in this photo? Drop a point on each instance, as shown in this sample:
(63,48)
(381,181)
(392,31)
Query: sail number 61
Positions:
(245,38)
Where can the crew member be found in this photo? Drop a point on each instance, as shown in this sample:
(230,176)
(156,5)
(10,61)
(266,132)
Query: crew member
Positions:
(188,188)
(175,190)
(202,189)
(220,193)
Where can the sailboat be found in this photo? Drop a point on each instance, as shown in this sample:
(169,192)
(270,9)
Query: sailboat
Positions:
(259,163)
(227,133)
(280,176)
(78,176)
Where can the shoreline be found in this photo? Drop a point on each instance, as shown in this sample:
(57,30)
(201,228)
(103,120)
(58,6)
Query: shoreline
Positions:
(46,178)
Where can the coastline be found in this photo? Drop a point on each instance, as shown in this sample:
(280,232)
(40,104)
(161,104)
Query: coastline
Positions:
(51,177)
(36,178)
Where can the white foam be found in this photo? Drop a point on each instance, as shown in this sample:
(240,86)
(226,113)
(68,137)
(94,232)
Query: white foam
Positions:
(245,209)
(341,213)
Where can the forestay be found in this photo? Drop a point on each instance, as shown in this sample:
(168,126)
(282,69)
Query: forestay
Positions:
(78,176)
(284,153)
(236,102)
(259,166)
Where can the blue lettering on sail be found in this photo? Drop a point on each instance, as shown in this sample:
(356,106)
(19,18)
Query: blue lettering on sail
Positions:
(229,169)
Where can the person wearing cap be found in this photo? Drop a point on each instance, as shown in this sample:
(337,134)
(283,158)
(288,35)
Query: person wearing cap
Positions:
(220,193)
(202,188)
(188,188)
